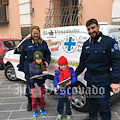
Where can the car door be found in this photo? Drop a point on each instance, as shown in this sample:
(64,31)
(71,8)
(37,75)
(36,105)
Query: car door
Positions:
(16,57)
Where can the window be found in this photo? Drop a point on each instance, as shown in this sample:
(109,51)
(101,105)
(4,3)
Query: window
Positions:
(69,12)
(5,2)
(18,49)
(10,45)
(63,13)
(3,11)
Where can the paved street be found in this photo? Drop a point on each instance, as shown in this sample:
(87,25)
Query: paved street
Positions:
(13,104)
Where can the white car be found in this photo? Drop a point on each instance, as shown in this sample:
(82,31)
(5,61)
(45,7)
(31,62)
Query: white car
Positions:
(65,41)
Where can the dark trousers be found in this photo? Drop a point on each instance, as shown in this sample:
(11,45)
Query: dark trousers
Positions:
(38,93)
(28,88)
(100,102)
(60,107)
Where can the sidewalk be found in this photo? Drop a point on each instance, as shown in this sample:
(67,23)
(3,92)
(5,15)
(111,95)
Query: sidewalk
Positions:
(13,105)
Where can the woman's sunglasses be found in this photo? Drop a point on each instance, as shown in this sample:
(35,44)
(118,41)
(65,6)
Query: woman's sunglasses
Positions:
(35,26)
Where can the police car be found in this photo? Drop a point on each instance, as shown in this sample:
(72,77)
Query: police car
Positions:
(65,41)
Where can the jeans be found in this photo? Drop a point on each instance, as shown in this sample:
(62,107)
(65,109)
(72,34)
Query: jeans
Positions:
(38,93)
(60,107)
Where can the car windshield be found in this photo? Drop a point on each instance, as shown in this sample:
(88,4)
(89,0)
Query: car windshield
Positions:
(9,45)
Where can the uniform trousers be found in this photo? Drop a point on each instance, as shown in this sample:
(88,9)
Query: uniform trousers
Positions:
(100,101)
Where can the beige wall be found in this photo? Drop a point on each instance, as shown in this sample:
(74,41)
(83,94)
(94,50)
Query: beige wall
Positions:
(99,9)
(12,29)
(38,16)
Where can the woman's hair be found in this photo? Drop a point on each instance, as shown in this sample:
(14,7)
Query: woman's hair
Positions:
(37,28)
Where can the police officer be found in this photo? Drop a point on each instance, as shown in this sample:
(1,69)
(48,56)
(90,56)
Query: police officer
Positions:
(99,54)
(32,44)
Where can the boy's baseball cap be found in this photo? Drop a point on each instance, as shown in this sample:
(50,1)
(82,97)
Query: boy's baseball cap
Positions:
(38,54)
(62,61)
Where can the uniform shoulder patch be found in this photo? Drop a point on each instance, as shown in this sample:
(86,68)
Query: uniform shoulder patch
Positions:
(116,47)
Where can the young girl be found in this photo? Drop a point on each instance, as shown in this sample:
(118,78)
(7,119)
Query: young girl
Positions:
(64,92)
(37,84)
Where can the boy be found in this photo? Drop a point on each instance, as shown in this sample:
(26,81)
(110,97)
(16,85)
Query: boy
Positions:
(37,84)
(64,92)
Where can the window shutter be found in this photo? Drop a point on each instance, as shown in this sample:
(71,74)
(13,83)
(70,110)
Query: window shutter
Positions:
(0,12)
(3,16)
(0,2)
(5,2)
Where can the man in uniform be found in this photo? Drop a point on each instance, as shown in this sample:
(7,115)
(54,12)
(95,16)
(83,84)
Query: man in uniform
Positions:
(99,54)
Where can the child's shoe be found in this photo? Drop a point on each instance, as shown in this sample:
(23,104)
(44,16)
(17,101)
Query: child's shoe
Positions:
(69,117)
(35,113)
(59,117)
(43,111)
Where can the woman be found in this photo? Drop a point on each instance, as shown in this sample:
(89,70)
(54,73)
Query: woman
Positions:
(30,45)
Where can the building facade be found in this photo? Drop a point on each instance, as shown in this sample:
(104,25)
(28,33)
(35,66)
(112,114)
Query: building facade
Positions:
(9,19)
(17,16)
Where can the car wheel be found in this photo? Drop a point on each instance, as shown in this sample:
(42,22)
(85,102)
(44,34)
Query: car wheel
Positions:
(10,73)
(79,98)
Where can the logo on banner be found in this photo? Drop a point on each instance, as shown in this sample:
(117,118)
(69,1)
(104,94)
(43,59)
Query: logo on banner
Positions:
(70,44)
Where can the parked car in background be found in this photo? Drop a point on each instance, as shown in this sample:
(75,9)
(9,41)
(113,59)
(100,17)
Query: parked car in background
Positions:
(6,45)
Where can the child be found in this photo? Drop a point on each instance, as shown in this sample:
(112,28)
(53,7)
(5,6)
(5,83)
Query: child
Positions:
(37,84)
(64,93)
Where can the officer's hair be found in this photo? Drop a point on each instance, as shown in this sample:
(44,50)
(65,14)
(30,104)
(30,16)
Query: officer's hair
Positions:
(37,28)
(91,21)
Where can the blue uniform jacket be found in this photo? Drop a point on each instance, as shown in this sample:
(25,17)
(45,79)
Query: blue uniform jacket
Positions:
(100,55)
(33,71)
(27,53)
(67,90)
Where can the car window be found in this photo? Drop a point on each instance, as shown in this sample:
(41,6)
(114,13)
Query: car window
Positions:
(18,49)
(9,45)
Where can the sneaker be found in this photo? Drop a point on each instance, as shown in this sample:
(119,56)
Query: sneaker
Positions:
(68,117)
(90,118)
(59,117)
(43,111)
(35,113)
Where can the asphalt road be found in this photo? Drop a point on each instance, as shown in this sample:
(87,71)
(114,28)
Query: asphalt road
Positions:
(13,104)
